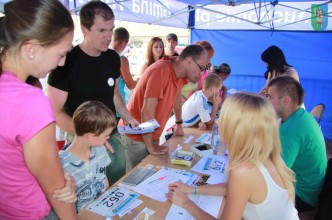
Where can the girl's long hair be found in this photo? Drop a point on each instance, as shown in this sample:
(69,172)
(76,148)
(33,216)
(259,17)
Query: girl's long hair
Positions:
(149,54)
(248,125)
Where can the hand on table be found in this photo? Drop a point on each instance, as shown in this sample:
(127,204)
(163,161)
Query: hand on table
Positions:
(158,149)
(185,188)
(202,126)
(178,197)
(67,194)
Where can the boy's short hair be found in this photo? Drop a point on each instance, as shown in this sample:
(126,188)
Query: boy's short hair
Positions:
(93,117)
(212,80)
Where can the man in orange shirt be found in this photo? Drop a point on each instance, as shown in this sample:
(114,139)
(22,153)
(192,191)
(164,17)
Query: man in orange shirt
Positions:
(156,95)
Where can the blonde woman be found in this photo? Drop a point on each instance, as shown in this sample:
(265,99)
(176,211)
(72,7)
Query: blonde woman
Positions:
(259,184)
(155,51)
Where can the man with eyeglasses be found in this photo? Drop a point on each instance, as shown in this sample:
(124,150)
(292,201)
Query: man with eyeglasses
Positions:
(157,94)
(302,141)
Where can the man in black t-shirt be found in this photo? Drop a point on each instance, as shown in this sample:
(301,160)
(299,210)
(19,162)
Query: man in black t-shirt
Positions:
(90,73)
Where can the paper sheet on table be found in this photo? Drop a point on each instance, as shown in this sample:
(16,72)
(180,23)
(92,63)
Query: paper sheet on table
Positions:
(146,127)
(113,201)
(210,204)
(215,166)
(156,186)
(204,138)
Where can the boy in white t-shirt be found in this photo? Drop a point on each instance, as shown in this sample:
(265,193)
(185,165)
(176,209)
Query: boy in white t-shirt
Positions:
(198,107)
(201,106)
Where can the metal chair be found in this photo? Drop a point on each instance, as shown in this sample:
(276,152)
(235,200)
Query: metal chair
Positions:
(318,111)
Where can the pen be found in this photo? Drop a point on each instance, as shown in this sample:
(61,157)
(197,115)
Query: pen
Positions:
(161,178)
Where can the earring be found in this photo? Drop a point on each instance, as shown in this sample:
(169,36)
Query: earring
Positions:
(32,57)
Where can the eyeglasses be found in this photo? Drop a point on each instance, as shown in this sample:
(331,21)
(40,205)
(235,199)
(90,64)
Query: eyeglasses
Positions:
(201,69)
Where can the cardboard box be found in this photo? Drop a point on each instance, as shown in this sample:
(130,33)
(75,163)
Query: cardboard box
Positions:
(202,149)
(182,157)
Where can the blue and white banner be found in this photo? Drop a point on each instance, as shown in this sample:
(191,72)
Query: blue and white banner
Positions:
(166,13)
(293,16)
(217,15)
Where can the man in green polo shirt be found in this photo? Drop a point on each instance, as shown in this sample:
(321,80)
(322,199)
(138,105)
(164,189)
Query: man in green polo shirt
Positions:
(302,141)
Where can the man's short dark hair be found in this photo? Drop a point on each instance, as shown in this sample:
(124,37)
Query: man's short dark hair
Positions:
(287,85)
(92,9)
(193,50)
(172,36)
(121,34)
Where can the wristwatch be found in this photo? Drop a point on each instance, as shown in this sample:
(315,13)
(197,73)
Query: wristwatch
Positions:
(179,122)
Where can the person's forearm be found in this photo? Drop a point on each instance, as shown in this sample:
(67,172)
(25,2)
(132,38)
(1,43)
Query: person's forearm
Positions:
(177,109)
(213,114)
(65,122)
(126,74)
(148,140)
(212,189)
(42,160)
(49,182)
(120,107)
(131,83)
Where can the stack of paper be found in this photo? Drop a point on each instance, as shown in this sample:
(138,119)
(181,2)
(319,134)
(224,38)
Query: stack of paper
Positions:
(139,175)
(146,127)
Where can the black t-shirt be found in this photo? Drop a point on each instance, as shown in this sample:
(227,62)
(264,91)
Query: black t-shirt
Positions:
(87,78)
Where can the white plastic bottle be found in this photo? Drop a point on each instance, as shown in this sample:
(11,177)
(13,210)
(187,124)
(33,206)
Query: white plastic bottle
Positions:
(215,139)
(218,146)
